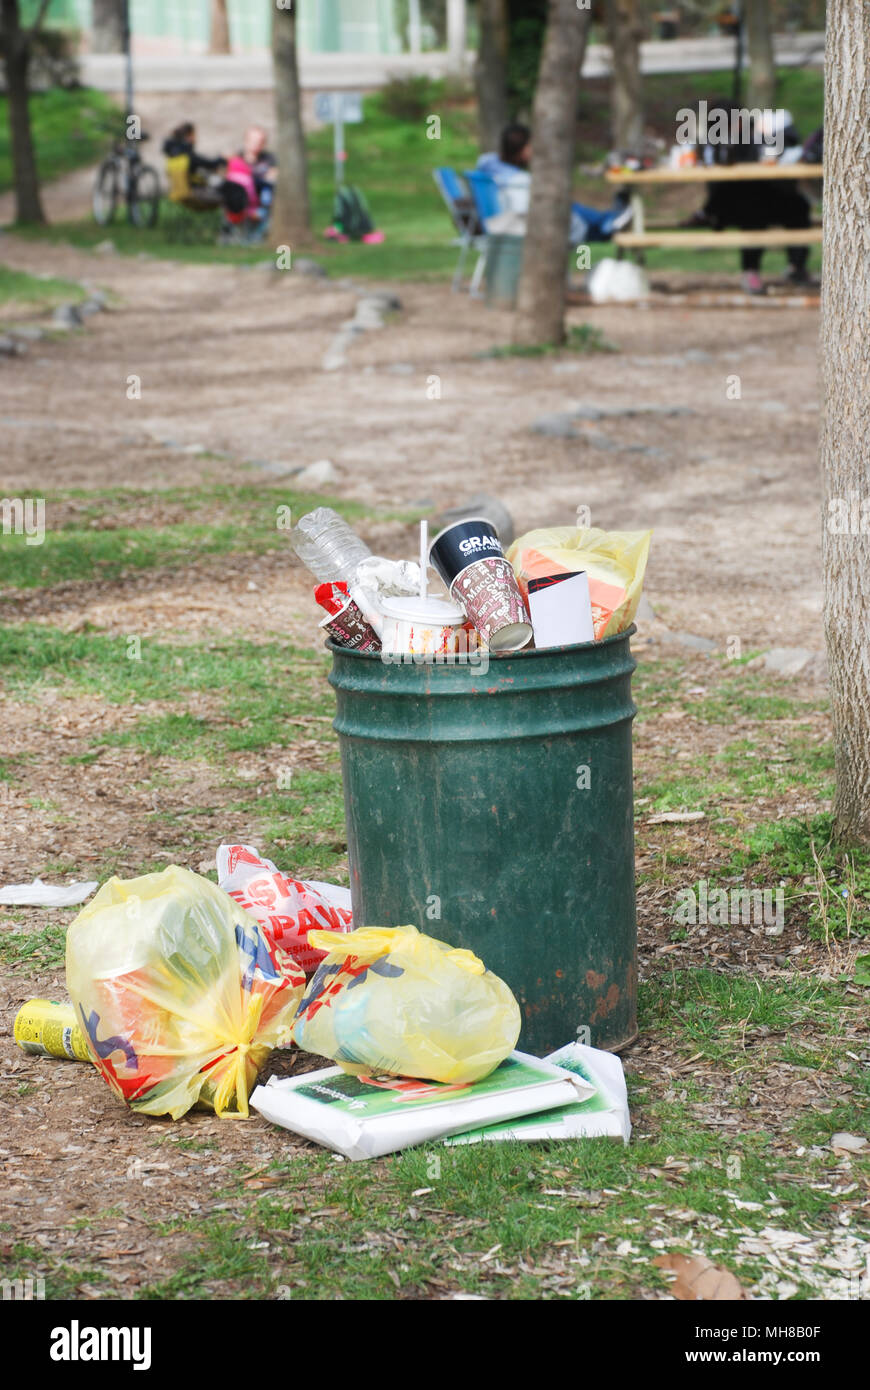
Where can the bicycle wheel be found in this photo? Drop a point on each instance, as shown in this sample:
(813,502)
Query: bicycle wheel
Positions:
(145,199)
(105,200)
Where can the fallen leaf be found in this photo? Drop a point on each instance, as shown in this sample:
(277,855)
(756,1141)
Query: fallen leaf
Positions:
(698,1278)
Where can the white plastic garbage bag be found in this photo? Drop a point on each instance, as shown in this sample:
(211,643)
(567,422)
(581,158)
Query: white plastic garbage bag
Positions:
(617,282)
(39,894)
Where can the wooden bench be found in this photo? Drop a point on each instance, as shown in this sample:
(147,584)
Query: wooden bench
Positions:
(710,241)
(641,238)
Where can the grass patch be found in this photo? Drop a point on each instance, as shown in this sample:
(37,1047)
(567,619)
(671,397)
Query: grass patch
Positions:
(831,883)
(111,534)
(18,290)
(303,827)
(43,949)
(755,770)
(726,1017)
(51,1278)
(743,770)
(751,695)
(266,684)
(71,128)
(583,338)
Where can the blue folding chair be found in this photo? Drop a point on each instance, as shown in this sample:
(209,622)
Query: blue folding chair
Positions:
(455,193)
(487,201)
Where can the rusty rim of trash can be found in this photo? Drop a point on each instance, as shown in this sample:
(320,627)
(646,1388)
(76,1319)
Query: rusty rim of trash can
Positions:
(523,654)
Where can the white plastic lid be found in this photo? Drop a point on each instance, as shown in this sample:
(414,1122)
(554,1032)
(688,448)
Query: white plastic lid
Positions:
(434,612)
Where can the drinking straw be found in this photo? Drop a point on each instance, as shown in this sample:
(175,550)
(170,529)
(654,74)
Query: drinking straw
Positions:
(424,560)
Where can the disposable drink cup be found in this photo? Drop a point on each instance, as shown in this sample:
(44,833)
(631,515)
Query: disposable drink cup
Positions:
(422,627)
(348,628)
(489,593)
(461,543)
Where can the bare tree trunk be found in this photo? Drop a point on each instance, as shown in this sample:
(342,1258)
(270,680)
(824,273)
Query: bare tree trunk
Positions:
(107,26)
(457,29)
(15,44)
(624,33)
(759,45)
(490,72)
(219,32)
(292,216)
(541,303)
(846,421)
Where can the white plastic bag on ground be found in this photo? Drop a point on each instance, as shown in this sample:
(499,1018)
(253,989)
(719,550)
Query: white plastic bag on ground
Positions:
(39,894)
(286,908)
(617,282)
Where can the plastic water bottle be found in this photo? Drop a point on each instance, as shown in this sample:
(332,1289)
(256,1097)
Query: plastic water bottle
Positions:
(327,546)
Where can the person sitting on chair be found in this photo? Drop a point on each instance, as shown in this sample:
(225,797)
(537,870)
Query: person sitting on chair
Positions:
(188,170)
(262,162)
(509,169)
(760,203)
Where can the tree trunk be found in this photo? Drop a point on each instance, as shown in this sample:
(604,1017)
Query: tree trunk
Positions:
(759,47)
(292,216)
(219,33)
(415,26)
(107,26)
(15,47)
(491,72)
(457,29)
(845,443)
(624,33)
(541,304)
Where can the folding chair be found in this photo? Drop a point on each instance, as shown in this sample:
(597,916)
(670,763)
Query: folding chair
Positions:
(455,193)
(487,201)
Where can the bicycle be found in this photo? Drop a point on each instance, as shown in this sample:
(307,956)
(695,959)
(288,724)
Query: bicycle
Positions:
(124,177)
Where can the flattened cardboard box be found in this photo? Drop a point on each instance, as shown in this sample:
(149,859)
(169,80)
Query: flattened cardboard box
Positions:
(604,1113)
(364,1117)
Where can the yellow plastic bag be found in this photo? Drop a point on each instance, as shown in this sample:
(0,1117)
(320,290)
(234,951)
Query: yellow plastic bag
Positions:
(389,999)
(180,995)
(615,562)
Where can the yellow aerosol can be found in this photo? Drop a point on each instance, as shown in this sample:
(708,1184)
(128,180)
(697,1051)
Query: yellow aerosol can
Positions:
(46,1029)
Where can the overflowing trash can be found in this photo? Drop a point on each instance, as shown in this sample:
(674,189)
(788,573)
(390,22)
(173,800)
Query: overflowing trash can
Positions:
(490,802)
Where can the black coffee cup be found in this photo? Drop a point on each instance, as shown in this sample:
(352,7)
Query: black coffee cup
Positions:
(461,544)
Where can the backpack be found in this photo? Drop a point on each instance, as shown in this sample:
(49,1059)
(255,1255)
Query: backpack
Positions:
(350,213)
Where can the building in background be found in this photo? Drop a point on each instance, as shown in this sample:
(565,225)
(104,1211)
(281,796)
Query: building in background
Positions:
(182,26)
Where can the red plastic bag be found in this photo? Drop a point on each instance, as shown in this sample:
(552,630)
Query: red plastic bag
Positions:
(286,908)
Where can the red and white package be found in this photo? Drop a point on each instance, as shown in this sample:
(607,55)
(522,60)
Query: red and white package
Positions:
(286,908)
(332,597)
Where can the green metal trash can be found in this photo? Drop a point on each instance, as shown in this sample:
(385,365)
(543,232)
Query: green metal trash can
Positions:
(493,808)
(504,263)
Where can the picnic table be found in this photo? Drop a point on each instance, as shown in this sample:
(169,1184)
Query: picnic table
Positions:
(640,237)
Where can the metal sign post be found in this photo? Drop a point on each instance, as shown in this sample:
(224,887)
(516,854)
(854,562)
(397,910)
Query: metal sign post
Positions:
(338,150)
(342,108)
(128,54)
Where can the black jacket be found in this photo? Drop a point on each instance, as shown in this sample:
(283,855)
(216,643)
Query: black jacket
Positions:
(199,164)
